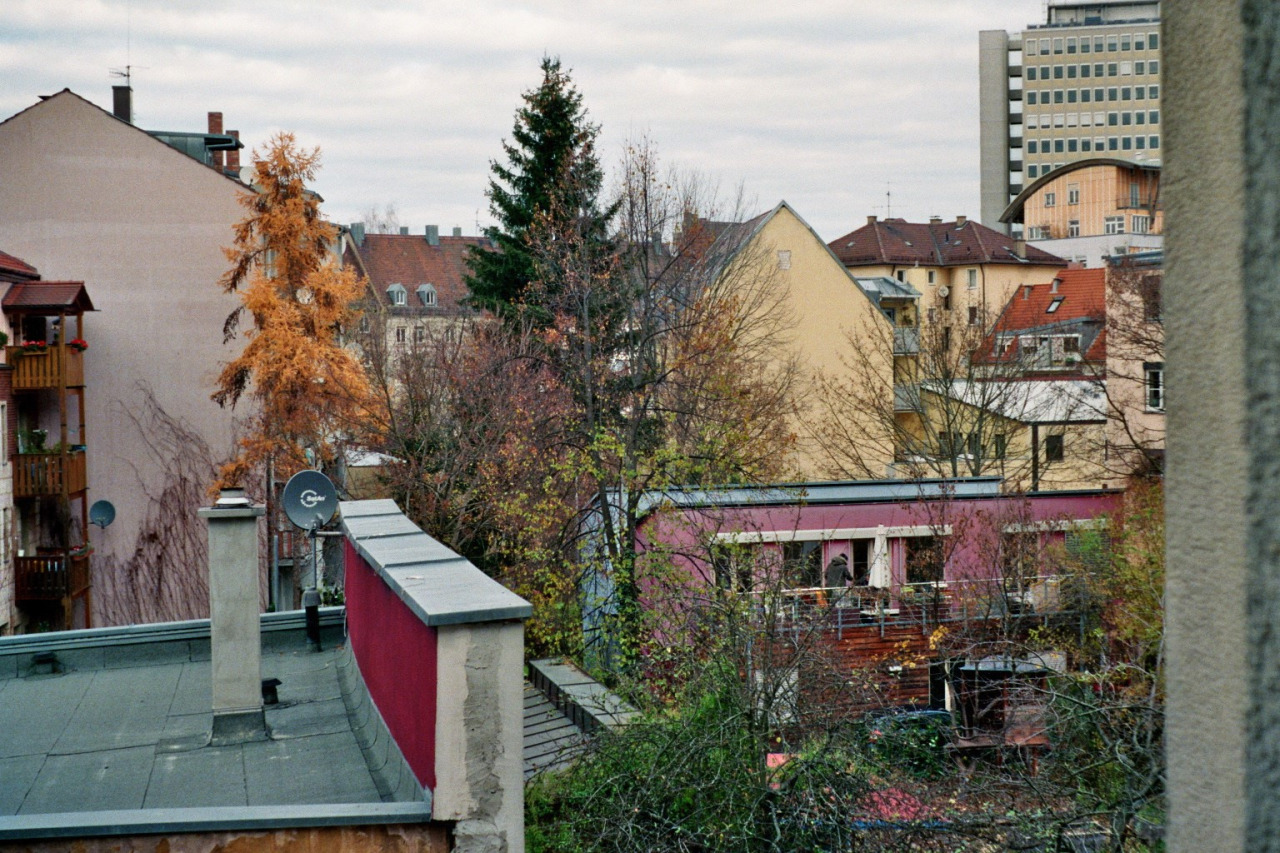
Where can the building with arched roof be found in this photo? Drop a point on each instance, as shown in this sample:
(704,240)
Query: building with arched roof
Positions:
(1092,209)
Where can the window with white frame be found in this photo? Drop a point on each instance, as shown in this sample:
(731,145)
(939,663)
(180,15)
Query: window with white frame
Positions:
(1073,193)
(973,279)
(1153,374)
(1113,225)
(419,334)
(397,295)
(427,295)
(1050,199)
(1073,228)
(1139,223)
(401,335)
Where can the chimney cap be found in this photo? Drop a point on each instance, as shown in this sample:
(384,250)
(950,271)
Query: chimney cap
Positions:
(871,219)
(961,220)
(232,497)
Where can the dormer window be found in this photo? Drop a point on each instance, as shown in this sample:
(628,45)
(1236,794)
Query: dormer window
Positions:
(427,293)
(397,295)
(1055,304)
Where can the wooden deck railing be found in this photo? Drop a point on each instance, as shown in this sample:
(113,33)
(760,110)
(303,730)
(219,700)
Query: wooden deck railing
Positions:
(49,577)
(37,474)
(32,370)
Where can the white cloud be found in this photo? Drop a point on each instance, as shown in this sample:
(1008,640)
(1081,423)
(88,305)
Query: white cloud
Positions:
(821,102)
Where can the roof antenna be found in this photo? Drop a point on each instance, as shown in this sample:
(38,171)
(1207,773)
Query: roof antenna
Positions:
(888,200)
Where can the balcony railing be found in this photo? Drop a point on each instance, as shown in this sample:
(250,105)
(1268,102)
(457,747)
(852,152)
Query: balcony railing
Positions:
(1128,202)
(44,474)
(906,397)
(906,340)
(34,370)
(915,604)
(50,577)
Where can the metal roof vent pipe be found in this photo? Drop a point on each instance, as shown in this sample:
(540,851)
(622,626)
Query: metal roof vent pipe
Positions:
(235,626)
(433,235)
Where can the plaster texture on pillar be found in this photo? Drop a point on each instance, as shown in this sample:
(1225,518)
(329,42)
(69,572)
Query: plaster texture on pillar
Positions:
(479,735)
(233,606)
(1218,377)
(1261,279)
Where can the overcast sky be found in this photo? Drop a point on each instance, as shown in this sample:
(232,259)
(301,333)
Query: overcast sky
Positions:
(824,103)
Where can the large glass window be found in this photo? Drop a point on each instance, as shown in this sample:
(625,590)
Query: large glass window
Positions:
(926,560)
(802,563)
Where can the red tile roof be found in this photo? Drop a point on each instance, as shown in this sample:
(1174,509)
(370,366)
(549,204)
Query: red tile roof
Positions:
(410,261)
(15,269)
(1080,295)
(32,296)
(957,243)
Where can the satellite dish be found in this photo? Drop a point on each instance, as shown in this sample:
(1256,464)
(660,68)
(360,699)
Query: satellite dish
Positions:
(943,291)
(309,499)
(102,513)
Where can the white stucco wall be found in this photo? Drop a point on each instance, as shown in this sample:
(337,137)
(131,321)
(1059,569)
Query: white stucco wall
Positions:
(85,196)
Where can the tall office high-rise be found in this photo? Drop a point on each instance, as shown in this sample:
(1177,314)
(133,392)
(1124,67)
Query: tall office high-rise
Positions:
(1085,83)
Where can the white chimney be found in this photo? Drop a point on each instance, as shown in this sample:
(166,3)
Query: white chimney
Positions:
(234,621)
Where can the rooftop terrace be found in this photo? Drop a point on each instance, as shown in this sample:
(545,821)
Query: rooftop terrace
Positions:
(124,724)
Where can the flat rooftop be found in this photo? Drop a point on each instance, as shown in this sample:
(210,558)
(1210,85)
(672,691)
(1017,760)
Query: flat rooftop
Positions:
(126,726)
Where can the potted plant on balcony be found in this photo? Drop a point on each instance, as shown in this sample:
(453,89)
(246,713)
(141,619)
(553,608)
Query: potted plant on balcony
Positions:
(78,344)
(32,441)
(34,347)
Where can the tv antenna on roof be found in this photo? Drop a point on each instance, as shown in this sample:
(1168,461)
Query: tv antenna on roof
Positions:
(888,200)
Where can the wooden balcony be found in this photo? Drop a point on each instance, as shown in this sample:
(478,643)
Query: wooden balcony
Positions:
(37,370)
(50,577)
(44,474)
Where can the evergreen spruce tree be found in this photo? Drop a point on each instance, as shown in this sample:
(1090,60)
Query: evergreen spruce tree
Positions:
(550,181)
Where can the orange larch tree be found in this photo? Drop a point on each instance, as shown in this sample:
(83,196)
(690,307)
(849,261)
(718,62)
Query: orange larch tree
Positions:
(306,385)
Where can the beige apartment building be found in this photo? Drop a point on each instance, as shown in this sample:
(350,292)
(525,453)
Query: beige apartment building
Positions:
(1092,210)
(1085,83)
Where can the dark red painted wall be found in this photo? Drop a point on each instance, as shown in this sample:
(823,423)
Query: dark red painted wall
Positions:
(398,659)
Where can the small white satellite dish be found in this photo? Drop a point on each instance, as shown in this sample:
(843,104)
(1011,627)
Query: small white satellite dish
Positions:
(944,291)
(309,499)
